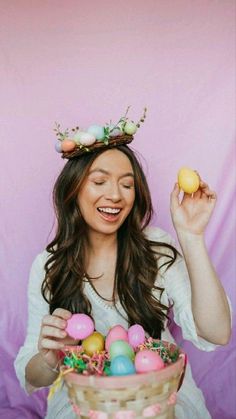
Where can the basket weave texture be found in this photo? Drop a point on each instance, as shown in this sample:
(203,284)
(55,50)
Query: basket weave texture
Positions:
(127,397)
(113,142)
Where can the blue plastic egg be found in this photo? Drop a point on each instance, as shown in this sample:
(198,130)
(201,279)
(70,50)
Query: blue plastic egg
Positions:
(97,131)
(122,365)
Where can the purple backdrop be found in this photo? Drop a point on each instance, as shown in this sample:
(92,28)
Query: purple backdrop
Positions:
(79,63)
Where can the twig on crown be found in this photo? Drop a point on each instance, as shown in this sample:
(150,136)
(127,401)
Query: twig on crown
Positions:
(60,134)
(142,119)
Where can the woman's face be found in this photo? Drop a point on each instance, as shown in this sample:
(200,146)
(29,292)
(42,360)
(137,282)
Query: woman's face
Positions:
(107,194)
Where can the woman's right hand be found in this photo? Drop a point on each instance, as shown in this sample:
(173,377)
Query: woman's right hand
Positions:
(53,336)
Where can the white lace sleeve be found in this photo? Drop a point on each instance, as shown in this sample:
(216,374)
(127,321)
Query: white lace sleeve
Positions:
(37,308)
(177,290)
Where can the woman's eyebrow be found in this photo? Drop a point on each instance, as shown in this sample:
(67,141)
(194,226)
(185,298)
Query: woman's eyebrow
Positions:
(105,172)
(127,174)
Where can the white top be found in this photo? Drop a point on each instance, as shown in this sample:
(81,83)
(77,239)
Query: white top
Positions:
(190,402)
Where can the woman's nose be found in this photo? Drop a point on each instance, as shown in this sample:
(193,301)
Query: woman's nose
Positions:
(113,192)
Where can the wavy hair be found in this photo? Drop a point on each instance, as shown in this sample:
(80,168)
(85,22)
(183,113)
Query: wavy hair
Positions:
(138,259)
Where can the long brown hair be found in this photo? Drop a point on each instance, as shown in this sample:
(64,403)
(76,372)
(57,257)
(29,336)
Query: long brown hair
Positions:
(138,259)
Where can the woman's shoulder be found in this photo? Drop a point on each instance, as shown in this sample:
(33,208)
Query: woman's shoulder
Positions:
(37,270)
(37,274)
(40,259)
(157,234)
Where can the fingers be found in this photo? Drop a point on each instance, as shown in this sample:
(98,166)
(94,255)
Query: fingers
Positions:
(61,312)
(206,191)
(204,188)
(53,332)
(51,320)
(51,344)
(53,329)
(174,197)
(57,319)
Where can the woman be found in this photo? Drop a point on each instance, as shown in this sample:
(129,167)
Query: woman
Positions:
(105,261)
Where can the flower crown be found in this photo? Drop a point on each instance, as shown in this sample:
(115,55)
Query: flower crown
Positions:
(75,142)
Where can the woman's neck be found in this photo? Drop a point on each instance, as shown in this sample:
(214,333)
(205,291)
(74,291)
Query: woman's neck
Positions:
(100,262)
(101,243)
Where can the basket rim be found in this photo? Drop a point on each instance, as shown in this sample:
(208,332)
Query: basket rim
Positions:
(124,381)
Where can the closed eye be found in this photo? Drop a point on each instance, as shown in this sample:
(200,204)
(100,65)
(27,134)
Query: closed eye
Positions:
(99,183)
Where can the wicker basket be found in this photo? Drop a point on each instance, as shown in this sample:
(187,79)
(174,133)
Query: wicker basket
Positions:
(113,142)
(128,397)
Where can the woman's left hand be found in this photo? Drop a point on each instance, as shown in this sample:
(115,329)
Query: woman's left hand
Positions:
(193,212)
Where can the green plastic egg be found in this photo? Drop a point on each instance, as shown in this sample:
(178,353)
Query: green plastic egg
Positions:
(120,347)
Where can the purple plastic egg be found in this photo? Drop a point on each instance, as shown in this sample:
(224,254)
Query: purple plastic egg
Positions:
(80,326)
(136,335)
(115,131)
(58,147)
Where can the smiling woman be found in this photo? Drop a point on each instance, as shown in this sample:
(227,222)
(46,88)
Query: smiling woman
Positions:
(106,262)
(102,201)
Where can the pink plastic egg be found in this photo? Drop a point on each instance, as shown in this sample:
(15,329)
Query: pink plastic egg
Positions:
(80,326)
(136,335)
(117,332)
(146,361)
(68,145)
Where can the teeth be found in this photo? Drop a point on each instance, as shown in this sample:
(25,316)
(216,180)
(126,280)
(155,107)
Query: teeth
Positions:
(110,210)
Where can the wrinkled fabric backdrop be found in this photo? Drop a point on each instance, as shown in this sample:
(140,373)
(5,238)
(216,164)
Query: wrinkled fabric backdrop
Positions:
(83,62)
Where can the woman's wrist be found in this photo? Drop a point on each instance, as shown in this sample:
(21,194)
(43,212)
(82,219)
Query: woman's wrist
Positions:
(39,373)
(45,365)
(189,237)
(189,241)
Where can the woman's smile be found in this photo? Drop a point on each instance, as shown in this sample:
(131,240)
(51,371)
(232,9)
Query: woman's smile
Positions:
(109,214)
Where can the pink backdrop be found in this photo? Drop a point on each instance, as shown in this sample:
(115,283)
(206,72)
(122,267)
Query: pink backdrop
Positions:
(81,62)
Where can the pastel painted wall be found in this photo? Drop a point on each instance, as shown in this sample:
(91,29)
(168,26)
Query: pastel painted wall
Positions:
(83,62)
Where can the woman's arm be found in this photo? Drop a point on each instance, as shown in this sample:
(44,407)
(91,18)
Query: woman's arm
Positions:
(42,369)
(209,302)
(38,373)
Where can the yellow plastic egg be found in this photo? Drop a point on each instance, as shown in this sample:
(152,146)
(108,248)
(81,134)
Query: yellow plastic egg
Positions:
(188,180)
(93,343)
